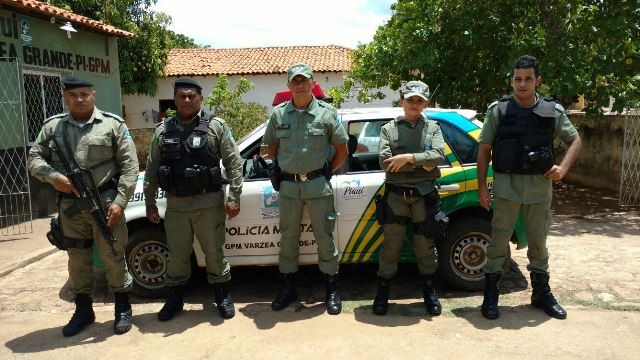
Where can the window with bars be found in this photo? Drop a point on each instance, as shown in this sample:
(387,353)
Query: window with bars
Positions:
(43,99)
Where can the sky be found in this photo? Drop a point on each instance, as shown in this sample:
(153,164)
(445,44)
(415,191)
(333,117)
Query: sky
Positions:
(262,23)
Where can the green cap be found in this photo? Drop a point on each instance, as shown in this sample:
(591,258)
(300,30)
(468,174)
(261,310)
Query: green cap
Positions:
(299,68)
(415,88)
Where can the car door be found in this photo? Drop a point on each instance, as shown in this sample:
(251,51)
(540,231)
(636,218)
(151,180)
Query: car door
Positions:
(253,237)
(358,231)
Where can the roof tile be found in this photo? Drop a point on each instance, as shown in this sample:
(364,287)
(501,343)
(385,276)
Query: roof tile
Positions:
(254,61)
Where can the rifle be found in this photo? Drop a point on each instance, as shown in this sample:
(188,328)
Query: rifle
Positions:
(89,200)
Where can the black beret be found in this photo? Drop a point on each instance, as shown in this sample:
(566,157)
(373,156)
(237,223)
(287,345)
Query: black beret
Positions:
(186,83)
(74,82)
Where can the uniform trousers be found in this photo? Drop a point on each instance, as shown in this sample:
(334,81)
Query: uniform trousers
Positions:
(81,226)
(537,218)
(208,226)
(413,209)
(323,221)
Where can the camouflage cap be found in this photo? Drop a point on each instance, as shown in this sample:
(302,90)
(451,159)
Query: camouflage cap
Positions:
(299,68)
(415,88)
(74,83)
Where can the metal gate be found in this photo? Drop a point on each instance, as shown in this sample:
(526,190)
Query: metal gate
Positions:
(630,175)
(15,200)
(28,96)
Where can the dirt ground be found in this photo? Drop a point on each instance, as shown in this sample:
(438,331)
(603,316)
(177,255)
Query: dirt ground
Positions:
(594,246)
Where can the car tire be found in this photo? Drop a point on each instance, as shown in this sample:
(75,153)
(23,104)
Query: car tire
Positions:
(463,252)
(147,255)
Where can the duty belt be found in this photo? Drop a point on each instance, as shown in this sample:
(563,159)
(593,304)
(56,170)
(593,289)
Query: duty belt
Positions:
(303,177)
(403,190)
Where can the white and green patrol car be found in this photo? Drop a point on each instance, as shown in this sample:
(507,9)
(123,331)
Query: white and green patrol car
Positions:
(252,238)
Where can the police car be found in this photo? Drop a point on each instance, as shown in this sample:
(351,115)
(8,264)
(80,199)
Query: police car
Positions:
(252,238)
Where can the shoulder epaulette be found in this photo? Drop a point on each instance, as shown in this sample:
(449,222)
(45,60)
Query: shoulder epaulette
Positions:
(325,104)
(112,115)
(282,104)
(55,117)
(493,104)
(559,108)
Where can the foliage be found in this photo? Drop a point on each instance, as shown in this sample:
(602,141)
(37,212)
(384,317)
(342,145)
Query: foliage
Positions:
(588,47)
(143,57)
(242,117)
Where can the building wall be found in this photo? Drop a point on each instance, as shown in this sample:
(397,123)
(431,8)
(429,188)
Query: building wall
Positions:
(43,48)
(600,160)
(265,88)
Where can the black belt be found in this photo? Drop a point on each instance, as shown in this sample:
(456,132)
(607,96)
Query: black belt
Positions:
(303,177)
(403,190)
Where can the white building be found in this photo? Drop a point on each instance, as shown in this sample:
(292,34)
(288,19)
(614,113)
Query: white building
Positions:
(265,67)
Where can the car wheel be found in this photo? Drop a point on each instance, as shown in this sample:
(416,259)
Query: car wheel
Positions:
(463,253)
(147,255)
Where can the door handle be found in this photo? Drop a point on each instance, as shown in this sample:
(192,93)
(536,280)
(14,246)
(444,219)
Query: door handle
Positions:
(449,187)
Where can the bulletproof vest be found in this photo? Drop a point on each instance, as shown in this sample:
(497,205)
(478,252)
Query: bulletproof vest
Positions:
(524,142)
(396,149)
(187,168)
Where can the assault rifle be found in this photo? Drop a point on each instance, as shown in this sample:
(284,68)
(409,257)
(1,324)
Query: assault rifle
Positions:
(89,200)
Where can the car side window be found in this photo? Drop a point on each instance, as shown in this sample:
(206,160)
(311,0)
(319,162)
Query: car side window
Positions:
(251,168)
(364,139)
(462,145)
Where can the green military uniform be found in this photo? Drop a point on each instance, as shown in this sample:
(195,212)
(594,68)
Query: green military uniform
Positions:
(199,215)
(533,192)
(103,145)
(424,140)
(304,140)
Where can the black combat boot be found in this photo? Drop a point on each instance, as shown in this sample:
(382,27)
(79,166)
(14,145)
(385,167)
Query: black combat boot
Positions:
(82,317)
(429,292)
(123,319)
(541,296)
(223,300)
(332,300)
(381,302)
(287,294)
(491,293)
(173,304)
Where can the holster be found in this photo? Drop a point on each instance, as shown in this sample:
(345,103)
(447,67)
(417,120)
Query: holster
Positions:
(379,199)
(55,236)
(274,172)
(384,213)
(437,221)
(275,175)
(327,170)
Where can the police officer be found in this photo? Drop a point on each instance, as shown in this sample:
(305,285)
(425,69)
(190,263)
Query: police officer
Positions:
(99,141)
(184,161)
(411,148)
(301,134)
(518,135)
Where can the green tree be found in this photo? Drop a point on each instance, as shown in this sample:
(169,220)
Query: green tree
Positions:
(241,116)
(143,57)
(587,47)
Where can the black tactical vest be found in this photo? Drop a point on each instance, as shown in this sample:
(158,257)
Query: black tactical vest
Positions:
(187,167)
(524,142)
